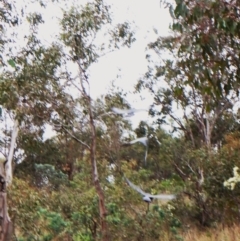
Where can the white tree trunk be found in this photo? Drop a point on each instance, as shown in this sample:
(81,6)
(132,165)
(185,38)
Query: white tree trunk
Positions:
(8,166)
(208,131)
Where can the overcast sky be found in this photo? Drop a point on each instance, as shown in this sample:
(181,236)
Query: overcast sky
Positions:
(149,20)
(130,63)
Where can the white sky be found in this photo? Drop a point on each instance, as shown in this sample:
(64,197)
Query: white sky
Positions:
(146,15)
(129,63)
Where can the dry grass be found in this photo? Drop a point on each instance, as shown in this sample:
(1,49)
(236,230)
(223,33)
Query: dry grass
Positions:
(213,234)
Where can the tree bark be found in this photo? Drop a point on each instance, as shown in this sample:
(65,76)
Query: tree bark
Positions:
(9,164)
(208,131)
(102,208)
(92,148)
(6,225)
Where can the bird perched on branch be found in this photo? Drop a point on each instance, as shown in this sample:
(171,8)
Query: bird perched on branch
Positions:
(147,197)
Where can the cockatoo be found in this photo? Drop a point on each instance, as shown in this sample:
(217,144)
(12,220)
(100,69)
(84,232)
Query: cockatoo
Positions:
(147,197)
(126,112)
(142,140)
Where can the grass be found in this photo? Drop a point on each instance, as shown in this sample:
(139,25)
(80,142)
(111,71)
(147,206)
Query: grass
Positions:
(213,234)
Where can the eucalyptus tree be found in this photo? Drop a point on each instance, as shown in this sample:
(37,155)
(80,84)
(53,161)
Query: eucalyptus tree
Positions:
(194,77)
(9,20)
(84,34)
(29,87)
(197,65)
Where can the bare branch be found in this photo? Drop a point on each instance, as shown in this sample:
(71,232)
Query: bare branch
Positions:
(75,138)
(188,164)
(180,172)
(178,121)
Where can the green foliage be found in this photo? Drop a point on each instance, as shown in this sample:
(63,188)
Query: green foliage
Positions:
(82,237)
(47,175)
(219,17)
(54,196)
(201,76)
(55,222)
(197,70)
(11,63)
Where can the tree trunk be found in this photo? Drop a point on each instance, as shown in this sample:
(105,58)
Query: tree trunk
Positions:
(102,208)
(6,225)
(95,177)
(9,163)
(208,132)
